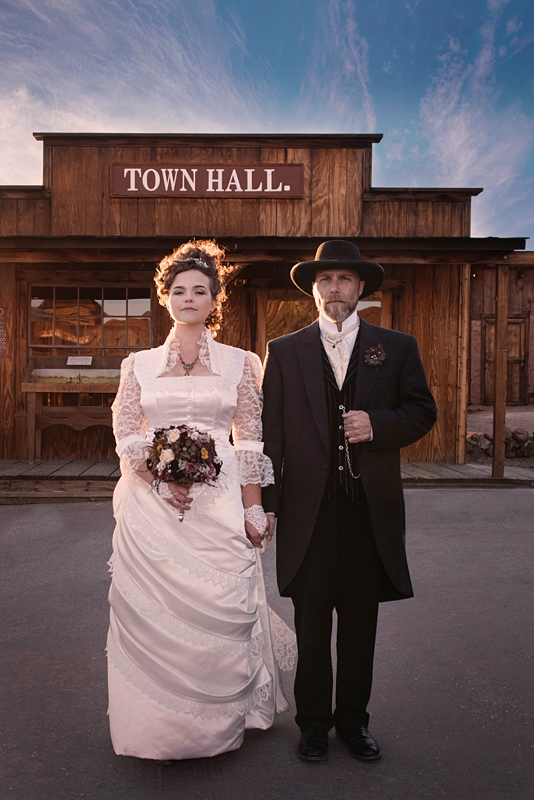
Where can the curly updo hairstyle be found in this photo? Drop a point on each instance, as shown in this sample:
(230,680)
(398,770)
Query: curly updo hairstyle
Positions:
(206,256)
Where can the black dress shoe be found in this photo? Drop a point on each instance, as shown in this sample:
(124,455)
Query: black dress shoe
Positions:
(360,743)
(313,745)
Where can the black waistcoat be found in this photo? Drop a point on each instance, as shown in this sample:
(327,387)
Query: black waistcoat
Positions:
(339,477)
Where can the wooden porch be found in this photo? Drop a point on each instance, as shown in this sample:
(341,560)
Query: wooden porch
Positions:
(66,481)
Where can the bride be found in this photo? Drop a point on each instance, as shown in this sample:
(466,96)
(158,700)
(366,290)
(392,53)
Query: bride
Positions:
(190,658)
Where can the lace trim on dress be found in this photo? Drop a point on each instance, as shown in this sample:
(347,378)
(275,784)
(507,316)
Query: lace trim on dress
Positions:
(254,468)
(176,627)
(183,559)
(129,421)
(284,642)
(178,704)
(172,354)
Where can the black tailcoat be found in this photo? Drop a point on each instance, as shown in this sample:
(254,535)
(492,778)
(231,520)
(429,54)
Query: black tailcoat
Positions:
(400,405)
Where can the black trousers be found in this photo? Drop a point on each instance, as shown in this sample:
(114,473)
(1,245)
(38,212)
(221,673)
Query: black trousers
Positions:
(341,570)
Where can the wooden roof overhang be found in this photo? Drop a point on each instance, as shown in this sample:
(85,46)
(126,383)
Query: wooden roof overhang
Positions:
(323,140)
(489,251)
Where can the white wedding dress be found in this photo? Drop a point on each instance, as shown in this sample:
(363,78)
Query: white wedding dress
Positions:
(190,656)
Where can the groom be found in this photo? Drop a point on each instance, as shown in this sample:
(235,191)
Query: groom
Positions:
(341,397)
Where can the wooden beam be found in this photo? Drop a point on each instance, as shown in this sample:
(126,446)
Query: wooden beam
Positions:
(462,386)
(500,368)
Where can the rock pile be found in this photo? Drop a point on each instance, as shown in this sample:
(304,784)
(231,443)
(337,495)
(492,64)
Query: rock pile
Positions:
(519,444)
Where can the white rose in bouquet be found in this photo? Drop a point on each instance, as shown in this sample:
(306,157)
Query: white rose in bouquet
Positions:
(166,456)
(173,435)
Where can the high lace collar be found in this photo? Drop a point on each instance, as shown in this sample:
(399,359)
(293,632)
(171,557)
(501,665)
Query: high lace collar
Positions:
(351,324)
(170,354)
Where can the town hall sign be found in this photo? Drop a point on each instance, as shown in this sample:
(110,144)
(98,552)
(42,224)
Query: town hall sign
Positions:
(238,181)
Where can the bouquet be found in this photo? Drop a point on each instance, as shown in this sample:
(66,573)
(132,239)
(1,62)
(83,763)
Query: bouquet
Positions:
(184,455)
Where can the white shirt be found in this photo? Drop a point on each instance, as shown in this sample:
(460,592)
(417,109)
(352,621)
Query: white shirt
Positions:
(339,344)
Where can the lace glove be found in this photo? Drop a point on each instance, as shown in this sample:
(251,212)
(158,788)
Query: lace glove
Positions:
(163,490)
(257,517)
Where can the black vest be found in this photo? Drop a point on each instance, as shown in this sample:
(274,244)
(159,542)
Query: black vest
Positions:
(339,477)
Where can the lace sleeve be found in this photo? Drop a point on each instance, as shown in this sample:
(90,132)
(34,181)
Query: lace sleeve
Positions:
(254,467)
(129,423)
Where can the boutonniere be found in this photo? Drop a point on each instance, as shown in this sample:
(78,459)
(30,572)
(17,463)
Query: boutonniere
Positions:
(374,356)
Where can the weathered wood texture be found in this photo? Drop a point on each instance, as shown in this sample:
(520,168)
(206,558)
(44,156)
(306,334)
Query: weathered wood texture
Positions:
(502,287)
(416,218)
(24,212)
(8,364)
(334,181)
(428,309)
(520,388)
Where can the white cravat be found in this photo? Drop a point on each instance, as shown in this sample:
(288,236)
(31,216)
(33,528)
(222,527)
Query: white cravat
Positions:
(339,344)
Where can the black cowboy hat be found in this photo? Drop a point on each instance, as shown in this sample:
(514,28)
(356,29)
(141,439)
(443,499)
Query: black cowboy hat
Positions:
(338,254)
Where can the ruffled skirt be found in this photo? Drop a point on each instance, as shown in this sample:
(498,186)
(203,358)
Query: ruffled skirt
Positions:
(190,658)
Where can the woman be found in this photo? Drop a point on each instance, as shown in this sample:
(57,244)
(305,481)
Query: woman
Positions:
(190,658)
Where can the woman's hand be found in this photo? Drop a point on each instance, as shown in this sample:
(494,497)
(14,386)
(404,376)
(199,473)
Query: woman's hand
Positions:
(256,524)
(253,535)
(177,496)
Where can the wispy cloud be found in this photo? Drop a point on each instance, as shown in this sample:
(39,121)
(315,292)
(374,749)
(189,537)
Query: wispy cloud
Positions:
(336,89)
(156,65)
(466,138)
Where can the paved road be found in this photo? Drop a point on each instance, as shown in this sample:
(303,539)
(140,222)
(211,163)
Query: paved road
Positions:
(452,702)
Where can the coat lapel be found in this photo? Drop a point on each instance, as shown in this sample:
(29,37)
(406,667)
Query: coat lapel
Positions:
(311,363)
(366,375)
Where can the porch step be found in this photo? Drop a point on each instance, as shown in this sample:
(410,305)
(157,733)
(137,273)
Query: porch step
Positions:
(65,481)
(56,481)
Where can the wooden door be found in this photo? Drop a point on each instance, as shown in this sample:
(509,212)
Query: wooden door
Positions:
(281,311)
(516,388)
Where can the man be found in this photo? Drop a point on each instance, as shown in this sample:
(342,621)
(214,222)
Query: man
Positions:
(341,397)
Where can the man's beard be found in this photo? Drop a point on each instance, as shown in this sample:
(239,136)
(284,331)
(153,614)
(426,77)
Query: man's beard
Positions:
(338,313)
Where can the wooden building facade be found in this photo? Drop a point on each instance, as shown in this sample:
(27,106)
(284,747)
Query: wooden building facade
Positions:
(77,258)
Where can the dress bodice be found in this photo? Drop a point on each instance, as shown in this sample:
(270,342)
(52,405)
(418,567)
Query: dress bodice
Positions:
(227,401)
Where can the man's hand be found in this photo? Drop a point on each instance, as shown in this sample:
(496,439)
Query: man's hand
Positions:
(253,535)
(357,426)
(271,525)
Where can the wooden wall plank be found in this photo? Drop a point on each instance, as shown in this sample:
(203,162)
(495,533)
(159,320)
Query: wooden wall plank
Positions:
(42,217)
(190,217)
(119,215)
(268,214)
(391,219)
(464,306)
(239,319)
(500,369)
(63,170)
(293,217)
(355,189)
(226,216)
(21,358)
(96,186)
(338,200)
(8,303)
(372,219)
(321,189)
(8,217)
(25,217)
(424,223)
(70,275)
(62,442)
(406,219)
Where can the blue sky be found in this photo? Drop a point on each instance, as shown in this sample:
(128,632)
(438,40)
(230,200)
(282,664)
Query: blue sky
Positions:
(449,84)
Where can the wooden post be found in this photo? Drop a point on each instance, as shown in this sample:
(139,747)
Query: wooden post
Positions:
(500,368)
(462,386)
(31,426)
